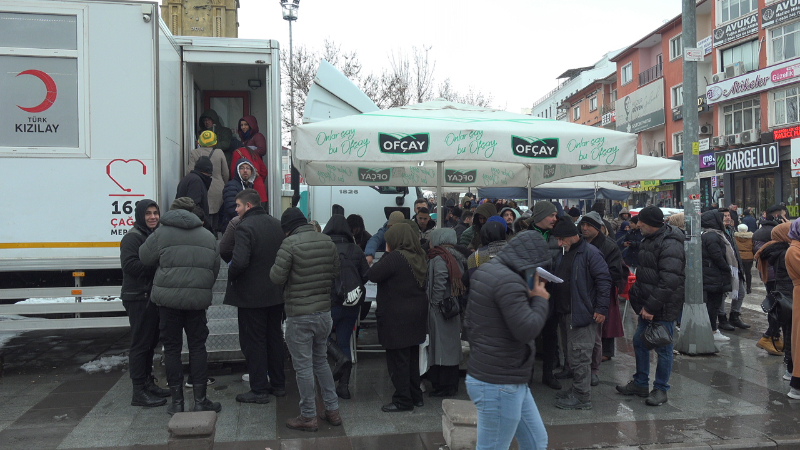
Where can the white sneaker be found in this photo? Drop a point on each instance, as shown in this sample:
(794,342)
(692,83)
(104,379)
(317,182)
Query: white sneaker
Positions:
(787,376)
(794,393)
(720,337)
(246,377)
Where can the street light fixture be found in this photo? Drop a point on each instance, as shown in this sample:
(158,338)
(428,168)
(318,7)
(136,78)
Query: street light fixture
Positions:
(289,9)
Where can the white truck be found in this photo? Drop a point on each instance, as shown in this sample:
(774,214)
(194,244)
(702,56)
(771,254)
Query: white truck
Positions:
(99,109)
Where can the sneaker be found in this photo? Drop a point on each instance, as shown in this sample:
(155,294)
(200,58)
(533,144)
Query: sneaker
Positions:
(794,393)
(657,397)
(787,376)
(572,402)
(633,389)
(209,381)
(719,337)
(767,343)
(246,377)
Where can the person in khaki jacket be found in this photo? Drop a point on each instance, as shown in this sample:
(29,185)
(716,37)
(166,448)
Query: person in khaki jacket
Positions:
(744,240)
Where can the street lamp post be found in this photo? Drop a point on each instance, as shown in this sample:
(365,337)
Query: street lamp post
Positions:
(289,8)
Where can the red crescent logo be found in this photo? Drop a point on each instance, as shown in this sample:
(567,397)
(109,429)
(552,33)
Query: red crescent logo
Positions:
(49,85)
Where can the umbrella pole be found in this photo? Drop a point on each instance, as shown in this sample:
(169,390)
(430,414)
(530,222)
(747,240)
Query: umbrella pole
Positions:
(530,204)
(439,198)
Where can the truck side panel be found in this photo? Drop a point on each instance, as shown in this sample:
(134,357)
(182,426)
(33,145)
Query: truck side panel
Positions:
(171,151)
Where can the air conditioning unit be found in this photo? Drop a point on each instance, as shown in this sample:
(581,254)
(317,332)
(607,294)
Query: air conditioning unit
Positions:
(717,77)
(735,139)
(734,70)
(719,141)
(750,137)
(706,129)
(652,153)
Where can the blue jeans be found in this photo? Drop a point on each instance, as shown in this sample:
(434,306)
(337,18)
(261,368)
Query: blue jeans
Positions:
(506,411)
(664,365)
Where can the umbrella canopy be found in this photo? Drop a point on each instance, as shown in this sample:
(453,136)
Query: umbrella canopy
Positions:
(478,146)
(561,189)
(647,168)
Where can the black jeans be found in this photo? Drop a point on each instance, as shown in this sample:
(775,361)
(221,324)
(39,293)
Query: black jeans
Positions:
(443,377)
(261,339)
(748,276)
(403,364)
(549,346)
(143,317)
(173,323)
(714,302)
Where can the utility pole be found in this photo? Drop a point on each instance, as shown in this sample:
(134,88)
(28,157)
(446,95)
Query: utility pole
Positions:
(695,336)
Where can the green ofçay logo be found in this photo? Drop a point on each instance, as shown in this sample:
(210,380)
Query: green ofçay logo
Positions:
(374,175)
(549,171)
(403,143)
(720,163)
(460,176)
(533,147)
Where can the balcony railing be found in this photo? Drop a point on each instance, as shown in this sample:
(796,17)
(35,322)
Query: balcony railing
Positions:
(547,96)
(650,74)
(607,108)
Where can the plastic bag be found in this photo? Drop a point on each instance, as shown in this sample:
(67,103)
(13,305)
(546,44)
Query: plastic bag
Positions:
(656,335)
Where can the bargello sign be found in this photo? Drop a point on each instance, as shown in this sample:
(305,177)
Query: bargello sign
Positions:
(750,158)
(736,30)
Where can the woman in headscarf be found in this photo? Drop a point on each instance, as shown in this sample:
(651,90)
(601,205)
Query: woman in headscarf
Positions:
(624,228)
(402,312)
(447,268)
(493,238)
(793,268)
(769,259)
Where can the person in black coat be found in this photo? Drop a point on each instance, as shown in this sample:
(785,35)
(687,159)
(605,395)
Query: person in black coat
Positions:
(657,296)
(504,315)
(717,259)
(242,179)
(749,220)
(629,244)
(137,282)
(195,186)
(259,301)
(360,235)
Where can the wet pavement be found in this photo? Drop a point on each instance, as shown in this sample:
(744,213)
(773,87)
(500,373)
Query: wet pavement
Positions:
(733,399)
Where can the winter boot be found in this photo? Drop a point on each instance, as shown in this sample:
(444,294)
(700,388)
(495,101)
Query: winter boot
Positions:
(340,360)
(153,388)
(767,343)
(143,397)
(778,343)
(176,405)
(736,321)
(201,403)
(343,388)
(723,323)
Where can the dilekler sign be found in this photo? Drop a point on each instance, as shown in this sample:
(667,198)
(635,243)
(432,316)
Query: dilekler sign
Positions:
(749,158)
(750,83)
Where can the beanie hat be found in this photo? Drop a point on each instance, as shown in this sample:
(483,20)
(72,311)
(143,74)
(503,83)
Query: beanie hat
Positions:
(542,210)
(635,219)
(742,228)
(599,207)
(499,220)
(291,219)
(593,219)
(204,165)
(207,139)
(574,212)
(184,203)
(774,209)
(652,216)
(394,217)
(563,228)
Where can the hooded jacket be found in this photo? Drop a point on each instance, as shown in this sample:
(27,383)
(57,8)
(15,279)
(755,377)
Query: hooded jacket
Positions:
(224,135)
(471,236)
(306,264)
(232,188)
(615,224)
(659,287)
(339,231)
(257,239)
(252,138)
(764,232)
(137,278)
(502,321)
(744,241)
(188,261)
(195,186)
(590,289)
(259,169)
(716,271)
(219,176)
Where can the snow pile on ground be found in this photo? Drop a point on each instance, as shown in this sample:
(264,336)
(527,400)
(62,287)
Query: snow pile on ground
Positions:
(105,364)
(6,336)
(67,300)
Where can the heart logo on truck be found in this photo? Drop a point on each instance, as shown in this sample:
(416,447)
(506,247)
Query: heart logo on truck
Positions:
(126,161)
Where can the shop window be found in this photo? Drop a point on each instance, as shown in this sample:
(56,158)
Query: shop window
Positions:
(746,53)
(742,116)
(790,189)
(576,112)
(676,47)
(593,104)
(733,9)
(627,73)
(785,42)
(677,96)
(677,143)
(786,106)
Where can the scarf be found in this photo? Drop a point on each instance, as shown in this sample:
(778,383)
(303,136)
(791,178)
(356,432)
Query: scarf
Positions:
(401,238)
(781,233)
(457,288)
(794,232)
(730,258)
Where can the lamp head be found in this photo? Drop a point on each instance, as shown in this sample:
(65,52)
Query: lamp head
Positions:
(289,8)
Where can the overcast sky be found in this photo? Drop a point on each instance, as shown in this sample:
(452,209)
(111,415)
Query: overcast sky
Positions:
(512,49)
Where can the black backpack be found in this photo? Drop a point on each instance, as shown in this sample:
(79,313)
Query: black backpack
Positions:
(348,290)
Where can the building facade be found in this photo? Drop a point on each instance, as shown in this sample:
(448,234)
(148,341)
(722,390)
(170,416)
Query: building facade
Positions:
(209,18)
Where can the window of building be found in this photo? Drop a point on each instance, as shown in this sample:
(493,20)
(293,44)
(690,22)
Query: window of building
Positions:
(677,96)
(576,112)
(732,9)
(627,73)
(785,42)
(677,143)
(742,116)
(746,53)
(787,106)
(613,96)
(676,47)
(593,104)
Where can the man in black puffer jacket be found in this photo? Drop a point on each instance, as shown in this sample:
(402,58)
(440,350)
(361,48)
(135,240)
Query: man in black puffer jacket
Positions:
(258,300)
(503,317)
(718,257)
(195,186)
(657,296)
(137,282)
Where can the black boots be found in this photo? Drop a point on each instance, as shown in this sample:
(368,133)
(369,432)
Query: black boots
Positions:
(723,323)
(176,405)
(201,403)
(343,388)
(736,321)
(143,397)
(340,360)
(154,389)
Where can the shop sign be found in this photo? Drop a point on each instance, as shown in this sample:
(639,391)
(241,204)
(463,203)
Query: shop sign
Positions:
(704,144)
(713,181)
(702,106)
(795,155)
(609,118)
(739,28)
(645,184)
(707,44)
(664,188)
(642,109)
(786,133)
(780,12)
(758,81)
(707,161)
(749,158)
